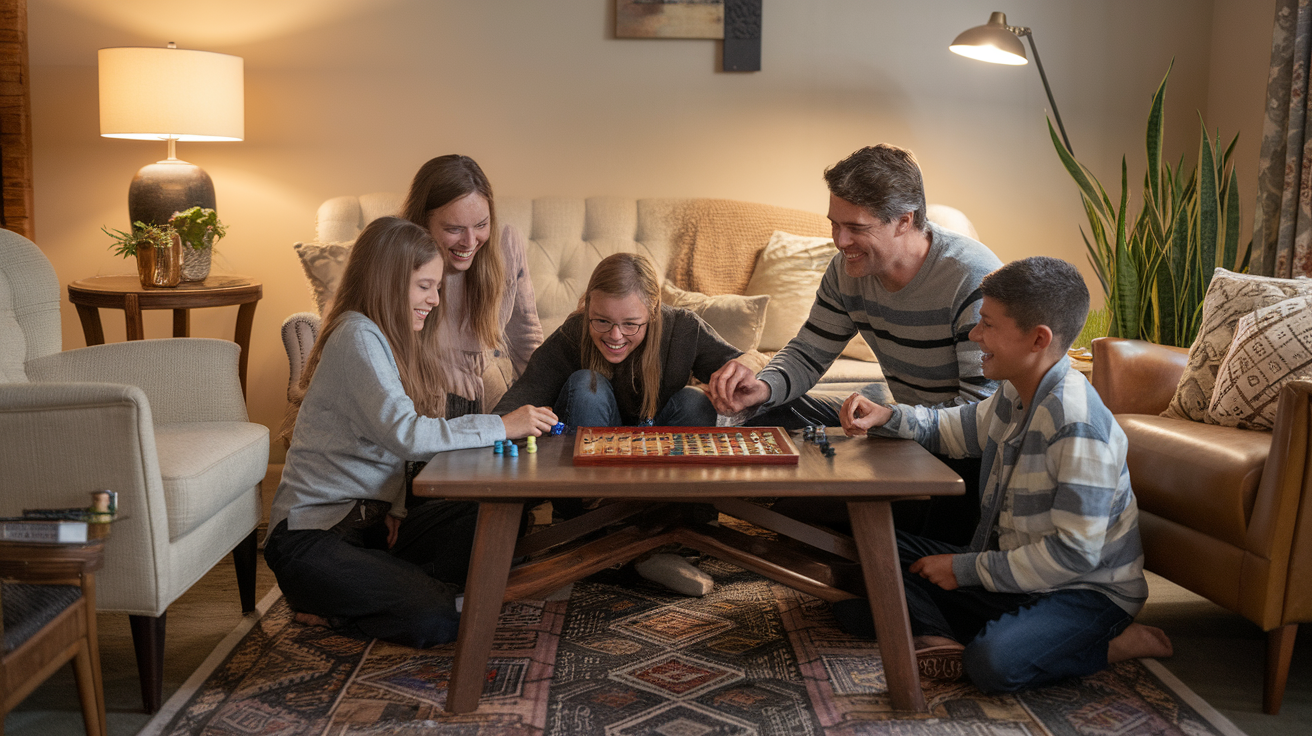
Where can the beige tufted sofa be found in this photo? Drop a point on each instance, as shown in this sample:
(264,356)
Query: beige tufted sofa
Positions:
(567,237)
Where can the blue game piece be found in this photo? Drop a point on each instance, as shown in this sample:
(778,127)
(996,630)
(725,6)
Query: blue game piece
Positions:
(558,428)
(498,448)
(514,450)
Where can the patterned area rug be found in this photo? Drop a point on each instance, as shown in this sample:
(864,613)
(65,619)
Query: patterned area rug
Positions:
(622,658)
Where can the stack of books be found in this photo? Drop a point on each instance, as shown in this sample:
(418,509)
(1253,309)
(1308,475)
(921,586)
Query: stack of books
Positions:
(60,526)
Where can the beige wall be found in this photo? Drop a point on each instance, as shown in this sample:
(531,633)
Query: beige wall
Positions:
(350,96)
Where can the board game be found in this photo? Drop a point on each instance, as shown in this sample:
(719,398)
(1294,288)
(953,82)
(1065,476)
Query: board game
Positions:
(684,446)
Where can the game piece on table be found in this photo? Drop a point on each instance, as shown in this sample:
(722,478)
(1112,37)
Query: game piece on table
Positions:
(558,428)
(514,450)
(499,447)
(531,444)
(820,435)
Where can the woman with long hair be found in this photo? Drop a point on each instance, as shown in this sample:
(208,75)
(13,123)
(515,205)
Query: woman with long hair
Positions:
(490,304)
(341,544)
(623,358)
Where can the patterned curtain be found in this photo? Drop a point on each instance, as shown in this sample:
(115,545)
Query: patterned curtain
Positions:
(1282,228)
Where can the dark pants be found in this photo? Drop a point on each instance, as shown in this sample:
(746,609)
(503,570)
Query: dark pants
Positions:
(1013,641)
(404,595)
(588,400)
(950,519)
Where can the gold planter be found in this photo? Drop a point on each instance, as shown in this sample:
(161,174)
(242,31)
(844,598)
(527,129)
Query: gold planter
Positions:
(160,267)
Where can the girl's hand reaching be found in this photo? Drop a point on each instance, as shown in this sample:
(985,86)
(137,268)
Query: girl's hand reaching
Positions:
(528,420)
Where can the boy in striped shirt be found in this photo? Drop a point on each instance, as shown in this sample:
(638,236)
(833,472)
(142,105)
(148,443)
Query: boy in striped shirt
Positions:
(1050,583)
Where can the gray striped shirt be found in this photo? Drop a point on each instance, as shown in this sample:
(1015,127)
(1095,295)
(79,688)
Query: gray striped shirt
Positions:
(918,333)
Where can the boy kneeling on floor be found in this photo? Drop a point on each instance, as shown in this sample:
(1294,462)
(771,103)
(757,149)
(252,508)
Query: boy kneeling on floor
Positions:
(1052,579)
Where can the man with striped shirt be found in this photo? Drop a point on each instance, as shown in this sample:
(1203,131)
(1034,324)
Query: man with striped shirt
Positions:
(911,289)
(1049,585)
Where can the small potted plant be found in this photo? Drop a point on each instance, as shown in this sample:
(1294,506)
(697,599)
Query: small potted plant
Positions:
(158,251)
(200,229)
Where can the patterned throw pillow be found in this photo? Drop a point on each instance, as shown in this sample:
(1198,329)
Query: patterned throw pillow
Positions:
(1231,296)
(323,264)
(1272,347)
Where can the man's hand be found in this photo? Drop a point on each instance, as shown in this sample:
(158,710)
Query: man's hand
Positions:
(937,569)
(735,387)
(528,420)
(393,528)
(859,414)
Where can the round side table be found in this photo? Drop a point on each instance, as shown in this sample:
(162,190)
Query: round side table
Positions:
(126,293)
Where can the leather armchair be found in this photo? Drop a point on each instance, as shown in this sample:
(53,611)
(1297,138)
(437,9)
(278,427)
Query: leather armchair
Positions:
(162,422)
(1224,512)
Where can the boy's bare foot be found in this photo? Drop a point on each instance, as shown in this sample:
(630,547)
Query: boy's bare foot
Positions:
(1138,641)
(309,619)
(938,657)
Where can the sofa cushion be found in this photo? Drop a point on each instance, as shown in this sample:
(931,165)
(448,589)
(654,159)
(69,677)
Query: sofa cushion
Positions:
(789,270)
(1230,296)
(207,465)
(1202,476)
(737,319)
(324,264)
(1272,347)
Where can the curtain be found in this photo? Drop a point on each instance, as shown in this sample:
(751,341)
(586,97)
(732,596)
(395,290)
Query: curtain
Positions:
(1282,227)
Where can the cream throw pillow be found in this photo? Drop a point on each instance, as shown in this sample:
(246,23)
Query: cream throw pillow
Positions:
(738,319)
(324,264)
(1272,347)
(789,270)
(1230,297)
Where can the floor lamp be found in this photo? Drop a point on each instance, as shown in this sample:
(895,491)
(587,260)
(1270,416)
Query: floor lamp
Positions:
(170,94)
(998,43)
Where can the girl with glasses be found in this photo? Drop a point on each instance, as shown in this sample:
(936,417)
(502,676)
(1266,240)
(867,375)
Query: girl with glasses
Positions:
(623,358)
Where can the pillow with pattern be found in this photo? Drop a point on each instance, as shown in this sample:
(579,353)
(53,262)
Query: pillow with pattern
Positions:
(1230,297)
(324,264)
(1272,347)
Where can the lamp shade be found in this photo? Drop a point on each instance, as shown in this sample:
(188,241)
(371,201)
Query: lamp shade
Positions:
(993,42)
(171,93)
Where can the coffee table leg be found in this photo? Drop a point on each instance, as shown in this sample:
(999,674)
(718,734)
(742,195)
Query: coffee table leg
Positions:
(489,566)
(872,526)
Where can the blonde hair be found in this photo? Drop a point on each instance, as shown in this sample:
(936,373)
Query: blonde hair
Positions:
(620,275)
(439,182)
(376,283)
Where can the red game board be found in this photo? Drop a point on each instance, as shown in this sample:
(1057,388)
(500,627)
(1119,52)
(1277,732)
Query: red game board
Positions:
(684,446)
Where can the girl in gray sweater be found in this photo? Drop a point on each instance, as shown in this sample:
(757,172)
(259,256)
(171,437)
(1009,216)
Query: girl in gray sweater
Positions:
(344,550)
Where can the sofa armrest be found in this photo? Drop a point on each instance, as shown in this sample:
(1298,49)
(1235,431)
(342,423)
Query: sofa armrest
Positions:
(1135,376)
(299,331)
(186,379)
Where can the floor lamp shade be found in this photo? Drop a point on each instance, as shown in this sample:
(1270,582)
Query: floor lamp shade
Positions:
(170,94)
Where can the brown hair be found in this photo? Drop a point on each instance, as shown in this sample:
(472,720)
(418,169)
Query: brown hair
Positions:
(883,179)
(1040,290)
(438,183)
(619,275)
(376,283)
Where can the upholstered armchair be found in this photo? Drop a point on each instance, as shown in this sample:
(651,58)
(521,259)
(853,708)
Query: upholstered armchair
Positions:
(1224,512)
(162,422)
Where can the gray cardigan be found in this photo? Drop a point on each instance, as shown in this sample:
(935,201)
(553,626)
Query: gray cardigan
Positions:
(357,428)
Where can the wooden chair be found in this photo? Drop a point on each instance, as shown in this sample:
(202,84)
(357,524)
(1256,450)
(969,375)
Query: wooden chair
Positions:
(50,588)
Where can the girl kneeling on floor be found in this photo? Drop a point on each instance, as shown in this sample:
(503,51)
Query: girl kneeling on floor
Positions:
(341,545)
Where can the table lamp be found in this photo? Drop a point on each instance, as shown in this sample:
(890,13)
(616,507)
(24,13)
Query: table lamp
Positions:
(998,43)
(170,94)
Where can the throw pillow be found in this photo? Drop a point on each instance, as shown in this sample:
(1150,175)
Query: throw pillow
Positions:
(323,264)
(738,319)
(789,270)
(1272,347)
(1230,296)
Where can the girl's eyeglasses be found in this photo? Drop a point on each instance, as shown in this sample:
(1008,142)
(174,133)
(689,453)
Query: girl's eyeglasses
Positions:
(604,326)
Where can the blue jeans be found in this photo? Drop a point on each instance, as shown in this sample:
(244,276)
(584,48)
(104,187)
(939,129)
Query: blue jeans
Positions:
(585,402)
(1013,640)
(405,595)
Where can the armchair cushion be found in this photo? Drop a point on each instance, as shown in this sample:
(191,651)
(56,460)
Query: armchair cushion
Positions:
(1272,347)
(205,466)
(1214,491)
(1230,296)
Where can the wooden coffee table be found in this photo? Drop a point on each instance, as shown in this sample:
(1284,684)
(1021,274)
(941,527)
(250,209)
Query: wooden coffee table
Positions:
(649,507)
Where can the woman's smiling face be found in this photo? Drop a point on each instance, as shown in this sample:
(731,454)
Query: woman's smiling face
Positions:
(609,317)
(460,228)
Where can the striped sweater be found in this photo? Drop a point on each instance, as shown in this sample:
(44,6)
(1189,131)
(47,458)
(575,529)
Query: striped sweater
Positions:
(918,333)
(1057,510)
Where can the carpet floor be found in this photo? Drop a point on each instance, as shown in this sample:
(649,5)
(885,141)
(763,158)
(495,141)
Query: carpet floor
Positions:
(624,657)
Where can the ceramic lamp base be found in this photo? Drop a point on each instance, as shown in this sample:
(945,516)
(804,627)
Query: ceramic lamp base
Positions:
(164,187)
